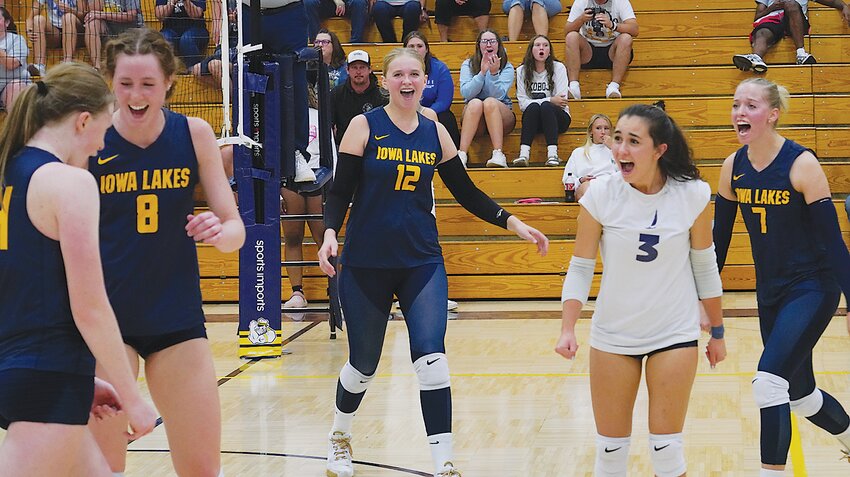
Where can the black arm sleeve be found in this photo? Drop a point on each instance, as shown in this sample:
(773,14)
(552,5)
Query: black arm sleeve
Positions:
(349,168)
(725,211)
(470,197)
(826,223)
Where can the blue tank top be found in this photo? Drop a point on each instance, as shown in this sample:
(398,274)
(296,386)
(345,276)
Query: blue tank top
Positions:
(150,264)
(37,330)
(785,251)
(391,224)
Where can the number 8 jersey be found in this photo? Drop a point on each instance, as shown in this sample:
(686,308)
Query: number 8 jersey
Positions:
(392,224)
(648,298)
(150,264)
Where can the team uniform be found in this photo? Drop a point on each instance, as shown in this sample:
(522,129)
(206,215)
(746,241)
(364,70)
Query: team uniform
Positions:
(150,264)
(46,369)
(797,296)
(392,247)
(648,299)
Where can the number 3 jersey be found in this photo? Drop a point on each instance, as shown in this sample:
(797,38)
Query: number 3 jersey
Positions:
(648,297)
(150,264)
(392,224)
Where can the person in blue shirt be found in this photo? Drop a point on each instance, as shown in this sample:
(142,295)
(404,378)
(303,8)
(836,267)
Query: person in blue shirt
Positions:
(387,161)
(183,25)
(485,79)
(439,88)
(55,317)
(147,171)
(333,55)
(801,264)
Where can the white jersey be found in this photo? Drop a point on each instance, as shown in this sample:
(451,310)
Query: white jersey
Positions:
(648,298)
(600,163)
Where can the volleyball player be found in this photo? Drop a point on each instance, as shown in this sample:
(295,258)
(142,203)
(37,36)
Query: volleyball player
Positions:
(147,172)
(653,221)
(55,317)
(389,156)
(801,263)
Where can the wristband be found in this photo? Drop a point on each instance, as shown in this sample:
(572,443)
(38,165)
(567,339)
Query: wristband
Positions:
(717,332)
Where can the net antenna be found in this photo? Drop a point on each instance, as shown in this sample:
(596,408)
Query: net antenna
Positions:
(227,133)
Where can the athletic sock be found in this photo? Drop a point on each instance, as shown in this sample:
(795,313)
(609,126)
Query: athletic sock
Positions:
(342,421)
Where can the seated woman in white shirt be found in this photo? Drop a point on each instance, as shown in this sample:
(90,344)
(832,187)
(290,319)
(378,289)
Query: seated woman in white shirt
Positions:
(594,158)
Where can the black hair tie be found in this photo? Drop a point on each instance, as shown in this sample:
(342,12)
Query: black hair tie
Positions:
(42,88)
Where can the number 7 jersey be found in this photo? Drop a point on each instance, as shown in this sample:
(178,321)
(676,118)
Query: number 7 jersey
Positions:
(150,264)
(648,298)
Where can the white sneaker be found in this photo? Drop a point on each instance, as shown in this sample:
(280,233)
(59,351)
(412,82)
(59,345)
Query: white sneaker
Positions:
(574,89)
(807,59)
(463,157)
(303,173)
(297,300)
(451,305)
(339,455)
(612,91)
(448,470)
(497,159)
(553,161)
(750,62)
(520,161)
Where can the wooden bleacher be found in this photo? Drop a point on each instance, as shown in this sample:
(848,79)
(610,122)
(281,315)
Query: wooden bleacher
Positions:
(682,55)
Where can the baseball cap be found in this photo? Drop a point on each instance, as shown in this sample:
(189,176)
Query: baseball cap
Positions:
(358,55)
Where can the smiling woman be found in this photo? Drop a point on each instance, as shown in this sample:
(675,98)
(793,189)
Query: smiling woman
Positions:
(389,156)
(655,217)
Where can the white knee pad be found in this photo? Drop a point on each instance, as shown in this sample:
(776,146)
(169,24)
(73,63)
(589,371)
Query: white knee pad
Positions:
(612,456)
(808,406)
(769,390)
(432,371)
(352,380)
(668,454)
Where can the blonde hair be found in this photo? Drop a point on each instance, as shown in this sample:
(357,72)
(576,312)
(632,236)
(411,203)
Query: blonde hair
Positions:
(777,96)
(67,89)
(589,141)
(143,41)
(397,53)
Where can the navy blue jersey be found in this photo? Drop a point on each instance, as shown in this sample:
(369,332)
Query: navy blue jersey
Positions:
(150,264)
(37,330)
(391,224)
(785,251)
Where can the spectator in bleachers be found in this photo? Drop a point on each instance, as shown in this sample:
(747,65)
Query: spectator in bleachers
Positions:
(300,203)
(183,26)
(357,11)
(209,69)
(359,94)
(540,10)
(541,91)
(485,79)
(412,13)
(61,24)
(13,58)
(599,36)
(777,19)
(594,158)
(439,87)
(445,10)
(109,18)
(333,55)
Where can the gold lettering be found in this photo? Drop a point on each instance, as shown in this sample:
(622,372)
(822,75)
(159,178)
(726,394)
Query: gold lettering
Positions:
(4,218)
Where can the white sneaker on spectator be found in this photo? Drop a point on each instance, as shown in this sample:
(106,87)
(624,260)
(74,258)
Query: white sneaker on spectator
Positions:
(303,173)
(37,70)
(339,455)
(297,300)
(553,161)
(463,157)
(574,89)
(749,62)
(807,59)
(451,305)
(613,91)
(448,470)
(497,159)
(520,161)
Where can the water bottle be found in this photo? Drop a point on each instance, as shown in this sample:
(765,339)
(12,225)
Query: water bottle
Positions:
(570,188)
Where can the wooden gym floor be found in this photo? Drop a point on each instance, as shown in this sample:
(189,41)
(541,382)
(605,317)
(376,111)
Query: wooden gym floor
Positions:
(519,409)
